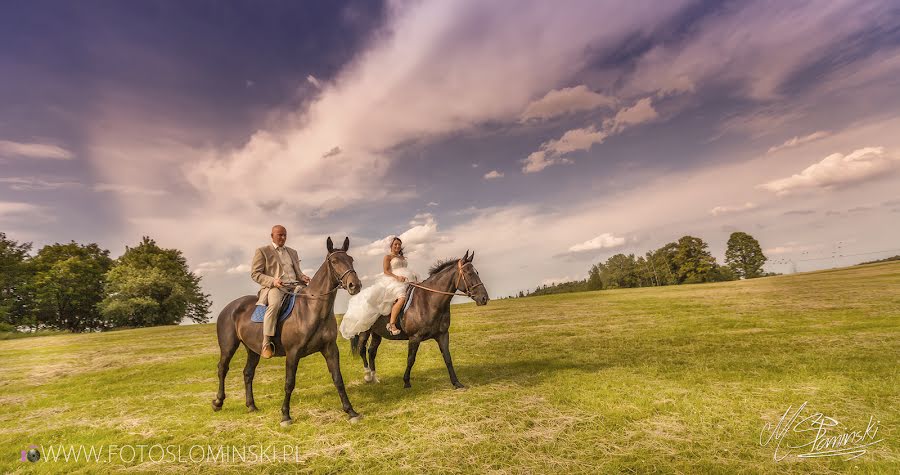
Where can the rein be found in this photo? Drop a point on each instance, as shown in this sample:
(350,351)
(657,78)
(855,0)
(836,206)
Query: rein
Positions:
(459,266)
(340,281)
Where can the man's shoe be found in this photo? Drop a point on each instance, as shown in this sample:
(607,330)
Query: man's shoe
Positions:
(268,348)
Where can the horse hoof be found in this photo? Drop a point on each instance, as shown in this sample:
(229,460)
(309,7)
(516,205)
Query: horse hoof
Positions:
(286,423)
(252,409)
(369,377)
(216,407)
(355,419)
(459,386)
(407,385)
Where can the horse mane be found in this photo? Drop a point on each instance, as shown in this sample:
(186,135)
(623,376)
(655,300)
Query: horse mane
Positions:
(441,265)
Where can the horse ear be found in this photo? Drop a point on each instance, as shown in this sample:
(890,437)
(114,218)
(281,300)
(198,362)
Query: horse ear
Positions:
(329,244)
(466,257)
(472,256)
(346,244)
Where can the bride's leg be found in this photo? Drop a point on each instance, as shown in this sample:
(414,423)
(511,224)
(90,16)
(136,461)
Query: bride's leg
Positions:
(395,311)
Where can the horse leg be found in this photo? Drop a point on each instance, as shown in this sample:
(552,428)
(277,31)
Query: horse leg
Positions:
(410,360)
(373,351)
(227,347)
(363,339)
(249,372)
(333,360)
(443,341)
(290,376)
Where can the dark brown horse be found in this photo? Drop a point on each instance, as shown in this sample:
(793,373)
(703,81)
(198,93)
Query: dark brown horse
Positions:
(310,328)
(428,316)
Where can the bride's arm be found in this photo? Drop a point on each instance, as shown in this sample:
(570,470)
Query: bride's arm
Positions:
(387,269)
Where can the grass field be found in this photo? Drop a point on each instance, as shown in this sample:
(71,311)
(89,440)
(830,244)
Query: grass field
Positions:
(674,379)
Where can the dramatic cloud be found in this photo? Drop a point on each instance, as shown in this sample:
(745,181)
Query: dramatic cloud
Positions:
(754,47)
(433,74)
(34,150)
(603,241)
(837,170)
(719,210)
(565,101)
(493,174)
(796,141)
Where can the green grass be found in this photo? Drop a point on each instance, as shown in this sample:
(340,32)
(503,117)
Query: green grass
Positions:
(674,380)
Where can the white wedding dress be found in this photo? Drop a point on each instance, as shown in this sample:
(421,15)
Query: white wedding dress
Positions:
(376,299)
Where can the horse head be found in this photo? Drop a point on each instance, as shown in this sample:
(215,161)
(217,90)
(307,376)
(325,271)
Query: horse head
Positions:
(342,264)
(470,281)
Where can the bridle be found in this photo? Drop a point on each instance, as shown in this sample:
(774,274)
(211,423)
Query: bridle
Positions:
(459,275)
(340,280)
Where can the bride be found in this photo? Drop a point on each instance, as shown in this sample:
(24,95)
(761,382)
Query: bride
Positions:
(386,294)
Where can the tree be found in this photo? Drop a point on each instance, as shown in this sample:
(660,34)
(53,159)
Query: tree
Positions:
(13,274)
(693,261)
(744,256)
(594,282)
(151,286)
(66,286)
(662,262)
(619,271)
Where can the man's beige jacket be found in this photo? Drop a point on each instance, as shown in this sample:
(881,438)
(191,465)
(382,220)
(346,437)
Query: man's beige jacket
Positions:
(266,267)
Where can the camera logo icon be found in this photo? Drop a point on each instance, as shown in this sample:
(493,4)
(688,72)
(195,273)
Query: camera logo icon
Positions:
(31,455)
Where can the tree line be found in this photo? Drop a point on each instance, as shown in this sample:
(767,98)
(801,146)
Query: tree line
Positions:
(686,261)
(77,287)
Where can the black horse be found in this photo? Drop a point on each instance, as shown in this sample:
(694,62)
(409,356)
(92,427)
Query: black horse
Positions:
(311,328)
(428,315)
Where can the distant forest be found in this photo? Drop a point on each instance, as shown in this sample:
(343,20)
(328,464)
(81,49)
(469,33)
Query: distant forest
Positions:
(685,261)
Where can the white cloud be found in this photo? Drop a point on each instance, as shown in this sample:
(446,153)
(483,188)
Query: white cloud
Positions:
(127,189)
(8,208)
(603,241)
(564,101)
(797,141)
(312,80)
(553,152)
(239,269)
(719,210)
(209,267)
(432,203)
(837,170)
(493,174)
(642,111)
(37,184)
(34,150)
(417,240)
(539,160)
(558,280)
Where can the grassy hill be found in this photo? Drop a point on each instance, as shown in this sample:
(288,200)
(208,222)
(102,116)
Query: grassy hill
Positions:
(673,379)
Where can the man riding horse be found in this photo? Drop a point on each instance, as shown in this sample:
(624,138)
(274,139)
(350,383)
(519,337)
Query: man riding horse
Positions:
(276,268)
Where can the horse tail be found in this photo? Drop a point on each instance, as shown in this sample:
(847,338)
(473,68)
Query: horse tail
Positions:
(354,345)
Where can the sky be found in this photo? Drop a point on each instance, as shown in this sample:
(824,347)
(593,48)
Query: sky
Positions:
(545,136)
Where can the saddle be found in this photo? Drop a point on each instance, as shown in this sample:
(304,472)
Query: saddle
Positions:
(287,304)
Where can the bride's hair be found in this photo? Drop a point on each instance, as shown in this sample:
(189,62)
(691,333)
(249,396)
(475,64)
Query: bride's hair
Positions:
(392,245)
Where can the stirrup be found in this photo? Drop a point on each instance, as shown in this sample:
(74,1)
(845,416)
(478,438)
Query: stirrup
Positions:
(392,329)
